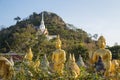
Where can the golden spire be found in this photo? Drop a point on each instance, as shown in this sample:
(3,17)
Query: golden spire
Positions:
(58,39)
(73,57)
(29,55)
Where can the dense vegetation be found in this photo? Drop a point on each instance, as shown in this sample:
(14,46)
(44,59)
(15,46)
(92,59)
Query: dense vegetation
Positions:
(22,35)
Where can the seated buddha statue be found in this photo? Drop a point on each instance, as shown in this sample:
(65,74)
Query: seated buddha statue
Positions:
(58,58)
(115,69)
(29,60)
(6,69)
(104,54)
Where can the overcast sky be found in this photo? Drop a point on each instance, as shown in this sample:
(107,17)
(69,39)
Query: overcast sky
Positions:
(93,16)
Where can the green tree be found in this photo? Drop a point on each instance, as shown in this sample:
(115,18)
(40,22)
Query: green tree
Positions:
(79,50)
(23,38)
(17,19)
(115,51)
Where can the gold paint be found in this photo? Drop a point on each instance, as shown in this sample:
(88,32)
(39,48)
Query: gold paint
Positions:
(58,57)
(105,55)
(33,64)
(6,69)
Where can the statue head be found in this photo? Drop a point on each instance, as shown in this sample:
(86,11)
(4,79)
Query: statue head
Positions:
(58,42)
(101,42)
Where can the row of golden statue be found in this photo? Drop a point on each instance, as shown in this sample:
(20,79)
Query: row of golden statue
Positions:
(58,60)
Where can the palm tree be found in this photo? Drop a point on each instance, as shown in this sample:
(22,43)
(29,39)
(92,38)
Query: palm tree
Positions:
(17,19)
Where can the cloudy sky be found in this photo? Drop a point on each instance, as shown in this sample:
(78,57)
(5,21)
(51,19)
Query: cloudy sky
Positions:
(100,17)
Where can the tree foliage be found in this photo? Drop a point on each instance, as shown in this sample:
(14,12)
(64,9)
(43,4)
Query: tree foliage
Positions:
(115,50)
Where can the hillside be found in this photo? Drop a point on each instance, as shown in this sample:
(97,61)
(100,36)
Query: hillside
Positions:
(23,35)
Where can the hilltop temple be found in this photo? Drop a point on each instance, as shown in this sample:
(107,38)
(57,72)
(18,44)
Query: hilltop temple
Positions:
(42,30)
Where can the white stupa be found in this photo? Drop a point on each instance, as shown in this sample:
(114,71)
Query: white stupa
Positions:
(42,26)
(80,62)
(44,63)
(42,29)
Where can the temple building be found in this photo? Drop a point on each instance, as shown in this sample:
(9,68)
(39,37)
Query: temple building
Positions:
(42,30)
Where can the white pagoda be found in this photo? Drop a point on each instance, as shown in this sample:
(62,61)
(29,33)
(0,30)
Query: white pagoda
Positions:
(42,30)
(80,62)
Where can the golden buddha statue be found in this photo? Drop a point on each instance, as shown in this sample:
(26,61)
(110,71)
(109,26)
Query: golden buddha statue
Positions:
(6,69)
(34,64)
(58,58)
(29,55)
(72,67)
(114,67)
(104,54)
